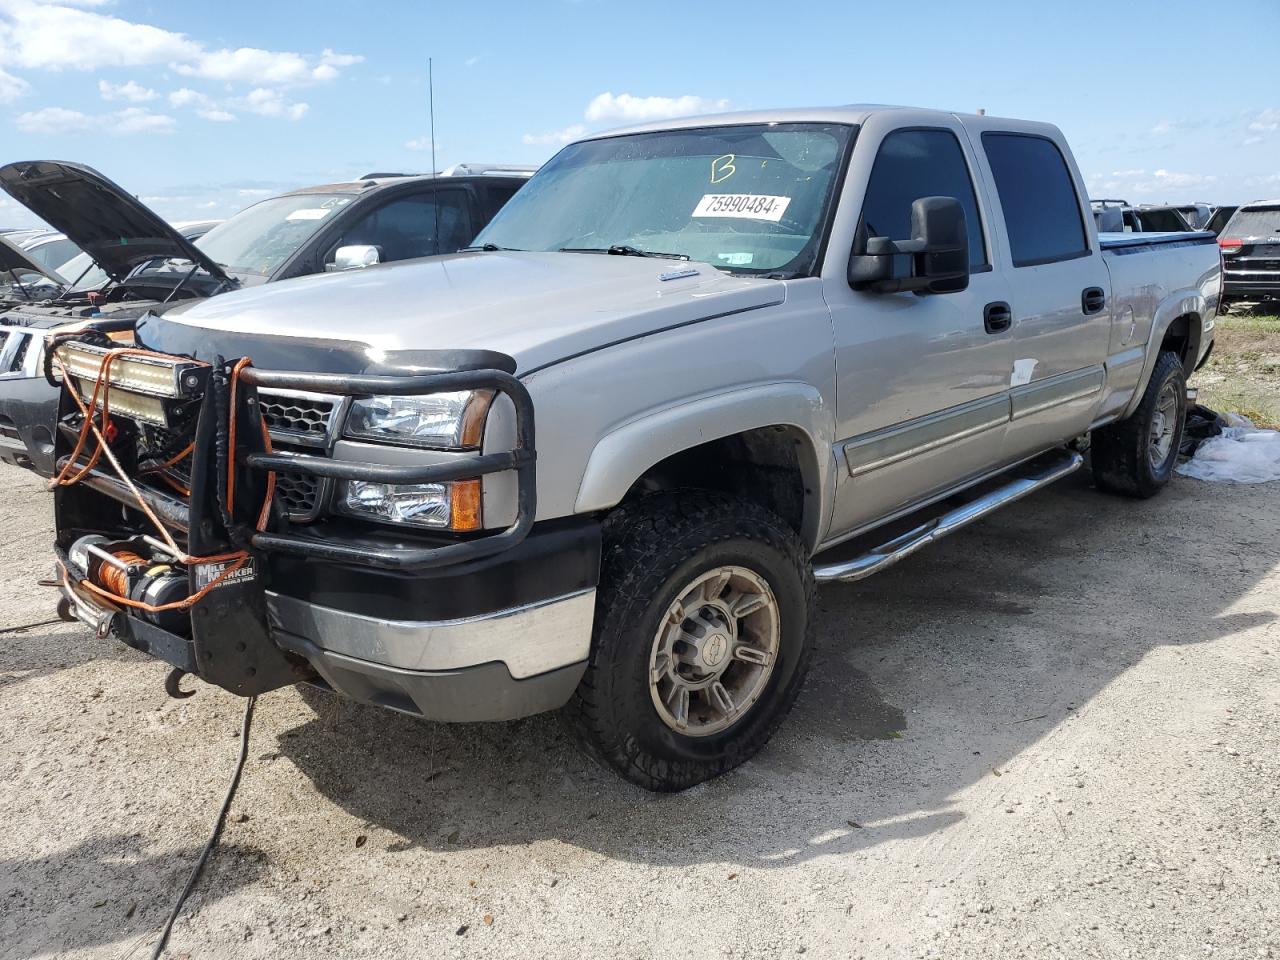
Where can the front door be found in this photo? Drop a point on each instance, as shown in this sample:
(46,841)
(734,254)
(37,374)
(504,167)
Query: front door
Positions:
(922,382)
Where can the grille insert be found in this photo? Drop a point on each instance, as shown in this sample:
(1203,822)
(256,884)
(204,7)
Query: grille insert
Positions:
(300,495)
(301,417)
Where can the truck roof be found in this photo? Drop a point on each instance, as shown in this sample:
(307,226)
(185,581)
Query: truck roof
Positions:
(854,113)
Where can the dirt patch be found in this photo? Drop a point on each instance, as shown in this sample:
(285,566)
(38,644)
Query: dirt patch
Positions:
(1243,374)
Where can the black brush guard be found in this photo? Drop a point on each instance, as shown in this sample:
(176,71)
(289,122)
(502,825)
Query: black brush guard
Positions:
(520,459)
(230,643)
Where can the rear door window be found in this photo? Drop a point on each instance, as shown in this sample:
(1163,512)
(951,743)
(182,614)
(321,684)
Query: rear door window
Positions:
(1038,197)
(920,163)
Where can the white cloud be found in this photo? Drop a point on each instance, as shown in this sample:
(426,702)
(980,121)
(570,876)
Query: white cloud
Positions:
(252,65)
(11,87)
(57,120)
(1266,121)
(254,192)
(567,135)
(271,103)
(186,97)
(1251,140)
(131,91)
(263,101)
(624,106)
(331,59)
(470,61)
(56,37)
(62,35)
(1169,178)
(138,120)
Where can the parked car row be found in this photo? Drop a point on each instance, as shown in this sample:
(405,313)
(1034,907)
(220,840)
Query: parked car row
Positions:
(131,262)
(1248,235)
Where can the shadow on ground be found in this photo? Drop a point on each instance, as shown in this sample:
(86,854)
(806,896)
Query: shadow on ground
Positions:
(108,890)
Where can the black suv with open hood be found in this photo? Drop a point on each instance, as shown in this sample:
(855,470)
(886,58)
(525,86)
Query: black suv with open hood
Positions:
(150,267)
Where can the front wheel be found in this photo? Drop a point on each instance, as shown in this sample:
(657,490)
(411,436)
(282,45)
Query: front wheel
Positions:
(1136,456)
(701,640)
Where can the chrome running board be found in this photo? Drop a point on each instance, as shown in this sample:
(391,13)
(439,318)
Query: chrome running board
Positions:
(887,554)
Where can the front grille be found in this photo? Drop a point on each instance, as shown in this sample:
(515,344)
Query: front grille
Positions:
(298,417)
(300,495)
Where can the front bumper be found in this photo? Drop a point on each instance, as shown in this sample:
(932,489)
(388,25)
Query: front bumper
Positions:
(500,666)
(328,602)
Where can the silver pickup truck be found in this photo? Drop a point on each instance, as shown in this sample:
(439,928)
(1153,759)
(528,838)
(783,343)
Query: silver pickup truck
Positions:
(762,350)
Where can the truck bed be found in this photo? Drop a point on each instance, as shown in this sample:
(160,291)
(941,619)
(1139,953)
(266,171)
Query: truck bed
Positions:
(1130,242)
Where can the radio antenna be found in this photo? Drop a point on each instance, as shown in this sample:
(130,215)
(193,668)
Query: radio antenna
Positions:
(431,110)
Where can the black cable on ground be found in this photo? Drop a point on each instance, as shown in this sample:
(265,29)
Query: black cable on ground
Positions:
(213,837)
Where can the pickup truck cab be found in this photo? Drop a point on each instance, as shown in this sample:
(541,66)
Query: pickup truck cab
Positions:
(762,350)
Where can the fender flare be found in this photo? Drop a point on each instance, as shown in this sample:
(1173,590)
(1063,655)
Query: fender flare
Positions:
(1180,303)
(623,454)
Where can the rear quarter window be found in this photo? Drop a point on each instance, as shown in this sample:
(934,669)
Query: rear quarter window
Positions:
(1038,197)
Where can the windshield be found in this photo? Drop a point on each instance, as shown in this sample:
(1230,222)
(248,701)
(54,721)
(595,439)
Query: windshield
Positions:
(76,266)
(748,199)
(1259,222)
(258,239)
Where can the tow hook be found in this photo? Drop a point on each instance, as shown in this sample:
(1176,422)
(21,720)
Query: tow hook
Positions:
(171,684)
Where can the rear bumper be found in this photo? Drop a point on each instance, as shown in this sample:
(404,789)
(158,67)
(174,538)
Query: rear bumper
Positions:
(1253,284)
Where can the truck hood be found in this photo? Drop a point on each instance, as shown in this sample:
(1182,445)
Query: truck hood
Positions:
(114,228)
(537,308)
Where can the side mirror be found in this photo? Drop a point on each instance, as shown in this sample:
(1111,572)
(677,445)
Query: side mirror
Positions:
(934,260)
(354,257)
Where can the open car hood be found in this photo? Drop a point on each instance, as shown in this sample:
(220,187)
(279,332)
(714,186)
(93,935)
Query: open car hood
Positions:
(111,226)
(13,259)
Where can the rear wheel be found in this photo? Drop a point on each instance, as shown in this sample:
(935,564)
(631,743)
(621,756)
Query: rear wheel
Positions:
(701,640)
(1136,456)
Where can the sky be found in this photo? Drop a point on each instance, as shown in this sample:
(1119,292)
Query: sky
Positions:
(203,108)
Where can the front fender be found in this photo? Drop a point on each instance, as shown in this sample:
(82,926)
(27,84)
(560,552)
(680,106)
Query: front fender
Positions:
(623,455)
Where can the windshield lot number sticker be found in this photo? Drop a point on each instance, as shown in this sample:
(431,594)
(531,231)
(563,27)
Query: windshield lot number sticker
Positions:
(310,213)
(742,206)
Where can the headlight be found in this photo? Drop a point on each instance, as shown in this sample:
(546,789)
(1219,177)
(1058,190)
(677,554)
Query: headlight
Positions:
(441,506)
(444,420)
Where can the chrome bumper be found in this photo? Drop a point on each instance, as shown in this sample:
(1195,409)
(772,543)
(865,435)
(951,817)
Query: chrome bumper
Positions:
(498,666)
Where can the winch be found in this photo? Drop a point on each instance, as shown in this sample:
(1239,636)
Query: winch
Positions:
(140,568)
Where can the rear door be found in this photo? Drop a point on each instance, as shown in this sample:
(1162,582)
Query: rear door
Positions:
(922,381)
(1058,287)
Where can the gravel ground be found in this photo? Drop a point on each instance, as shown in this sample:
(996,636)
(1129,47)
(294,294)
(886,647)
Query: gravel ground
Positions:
(1053,735)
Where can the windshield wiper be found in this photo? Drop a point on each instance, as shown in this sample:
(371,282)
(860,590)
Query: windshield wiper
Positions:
(489,248)
(625,250)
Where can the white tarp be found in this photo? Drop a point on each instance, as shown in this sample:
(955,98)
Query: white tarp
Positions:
(1240,454)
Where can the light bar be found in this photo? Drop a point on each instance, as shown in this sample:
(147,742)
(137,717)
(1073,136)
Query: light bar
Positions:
(127,403)
(154,376)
